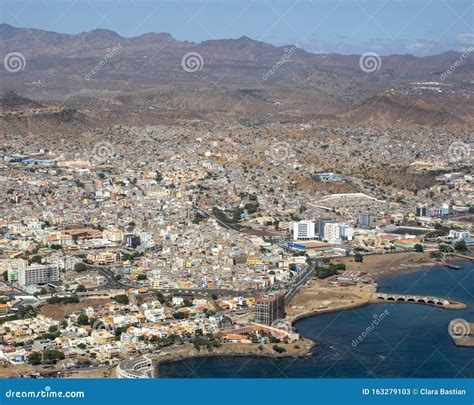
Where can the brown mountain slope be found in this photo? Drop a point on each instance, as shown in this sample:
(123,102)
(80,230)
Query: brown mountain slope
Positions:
(386,109)
(143,78)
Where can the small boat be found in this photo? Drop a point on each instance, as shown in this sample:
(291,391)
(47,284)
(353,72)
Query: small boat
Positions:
(452,266)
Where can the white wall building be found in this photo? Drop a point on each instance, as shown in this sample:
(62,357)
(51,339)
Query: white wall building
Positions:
(38,274)
(337,231)
(459,235)
(304,230)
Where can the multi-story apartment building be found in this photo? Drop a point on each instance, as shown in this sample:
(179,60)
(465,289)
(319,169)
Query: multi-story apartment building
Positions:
(336,231)
(304,230)
(320,224)
(38,274)
(269,308)
(113,235)
(366,219)
(104,257)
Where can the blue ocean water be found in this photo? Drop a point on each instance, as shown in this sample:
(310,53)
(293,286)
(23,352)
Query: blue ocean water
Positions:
(411,340)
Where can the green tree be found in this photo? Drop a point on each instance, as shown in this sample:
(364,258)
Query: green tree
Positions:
(79,267)
(81,288)
(82,319)
(36,259)
(445,248)
(160,297)
(121,299)
(460,246)
(278,349)
(358,258)
(325,272)
(34,358)
(419,248)
(52,356)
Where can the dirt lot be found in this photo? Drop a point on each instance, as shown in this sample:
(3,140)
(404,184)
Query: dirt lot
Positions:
(379,266)
(97,373)
(10,370)
(58,311)
(320,297)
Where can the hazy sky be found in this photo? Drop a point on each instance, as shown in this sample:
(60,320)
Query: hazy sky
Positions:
(420,27)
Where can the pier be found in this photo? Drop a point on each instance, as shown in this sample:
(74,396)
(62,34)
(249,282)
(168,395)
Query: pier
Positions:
(461,256)
(418,299)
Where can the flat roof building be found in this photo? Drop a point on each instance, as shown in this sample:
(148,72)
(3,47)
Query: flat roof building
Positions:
(38,274)
(269,308)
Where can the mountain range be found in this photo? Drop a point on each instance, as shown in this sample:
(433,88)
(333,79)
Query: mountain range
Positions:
(155,78)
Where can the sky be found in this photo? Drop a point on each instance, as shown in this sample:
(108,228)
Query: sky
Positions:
(418,27)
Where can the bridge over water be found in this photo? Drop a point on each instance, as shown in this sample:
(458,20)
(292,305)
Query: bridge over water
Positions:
(418,299)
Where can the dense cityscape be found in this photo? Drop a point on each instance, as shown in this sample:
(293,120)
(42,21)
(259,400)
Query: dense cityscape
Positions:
(226,201)
(155,243)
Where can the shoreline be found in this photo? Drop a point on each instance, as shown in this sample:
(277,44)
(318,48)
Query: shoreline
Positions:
(427,266)
(401,272)
(327,311)
(251,351)
(174,357)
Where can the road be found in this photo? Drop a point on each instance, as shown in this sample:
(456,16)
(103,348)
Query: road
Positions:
(295,285)
(111,283)
(223,224)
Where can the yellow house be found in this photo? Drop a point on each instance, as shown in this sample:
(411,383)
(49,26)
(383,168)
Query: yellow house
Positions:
(253,260)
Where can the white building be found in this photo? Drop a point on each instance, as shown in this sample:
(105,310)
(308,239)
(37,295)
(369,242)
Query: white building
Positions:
(155,315)
(459,235)
(177,301)
(337,231)
(38,274)
(154,279)
(113,235)
(304,230)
